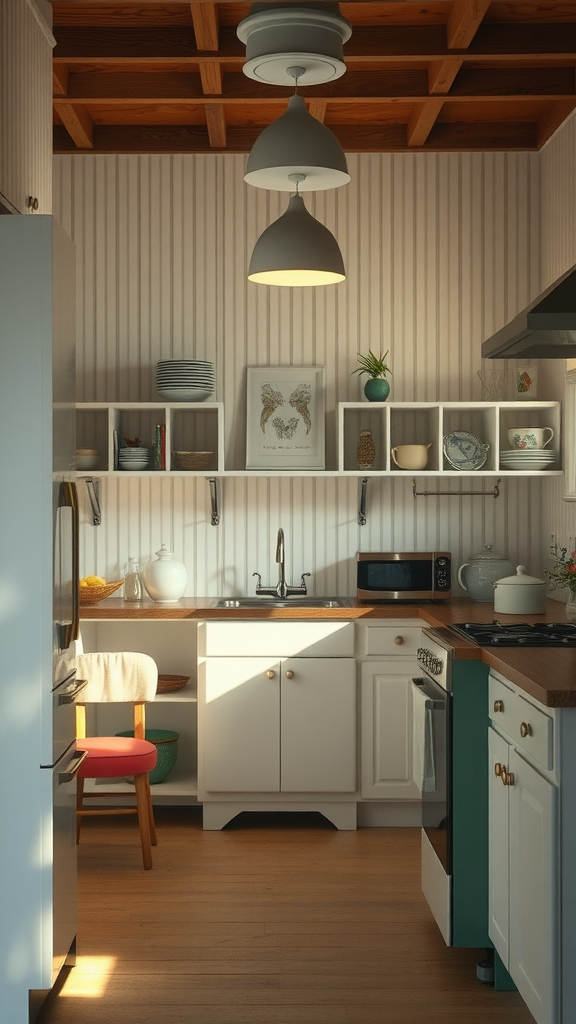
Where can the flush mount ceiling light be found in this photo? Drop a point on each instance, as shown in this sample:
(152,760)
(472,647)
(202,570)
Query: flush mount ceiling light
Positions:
(296,251)
(296,143)
(279,36)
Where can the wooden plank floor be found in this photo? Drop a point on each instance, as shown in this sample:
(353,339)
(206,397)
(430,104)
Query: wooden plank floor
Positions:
(278,919)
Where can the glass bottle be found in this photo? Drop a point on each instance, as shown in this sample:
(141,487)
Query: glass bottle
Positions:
(132,581)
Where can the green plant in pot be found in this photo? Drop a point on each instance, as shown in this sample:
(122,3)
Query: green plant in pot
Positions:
(376,387)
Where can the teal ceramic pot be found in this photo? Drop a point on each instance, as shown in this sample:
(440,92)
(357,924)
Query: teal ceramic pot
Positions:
(376,389)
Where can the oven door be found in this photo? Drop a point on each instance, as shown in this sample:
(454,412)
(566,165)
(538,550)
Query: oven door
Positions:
(432,751)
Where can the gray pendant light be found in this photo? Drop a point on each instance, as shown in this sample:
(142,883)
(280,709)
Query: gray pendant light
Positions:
(296,251)
(296,143)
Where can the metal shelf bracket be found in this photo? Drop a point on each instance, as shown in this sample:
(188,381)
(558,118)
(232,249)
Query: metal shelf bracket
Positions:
(215,516)
(362,505)
(93,488)
(494,493)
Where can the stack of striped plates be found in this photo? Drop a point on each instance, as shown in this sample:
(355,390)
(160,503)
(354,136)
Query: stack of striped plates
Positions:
(527,459)
(133,458)
(185,380)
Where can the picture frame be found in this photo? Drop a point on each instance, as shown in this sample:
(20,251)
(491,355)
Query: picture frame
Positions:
(285,426)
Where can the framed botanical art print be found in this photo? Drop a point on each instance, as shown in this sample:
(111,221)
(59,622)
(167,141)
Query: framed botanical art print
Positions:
(285,417)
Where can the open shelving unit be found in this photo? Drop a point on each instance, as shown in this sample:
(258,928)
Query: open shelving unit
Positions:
(200,427)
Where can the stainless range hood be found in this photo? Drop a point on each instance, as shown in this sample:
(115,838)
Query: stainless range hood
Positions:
(546,329)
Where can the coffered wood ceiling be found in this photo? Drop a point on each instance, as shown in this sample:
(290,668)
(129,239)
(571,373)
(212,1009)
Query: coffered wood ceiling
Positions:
(465,75)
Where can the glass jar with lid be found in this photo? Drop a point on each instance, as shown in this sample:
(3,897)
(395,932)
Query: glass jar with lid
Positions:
(132,581)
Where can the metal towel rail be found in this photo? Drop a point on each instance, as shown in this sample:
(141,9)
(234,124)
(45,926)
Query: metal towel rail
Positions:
(494,493)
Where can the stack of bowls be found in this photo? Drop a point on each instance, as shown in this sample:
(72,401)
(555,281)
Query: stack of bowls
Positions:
(185,380)
(527,458)
(133,458)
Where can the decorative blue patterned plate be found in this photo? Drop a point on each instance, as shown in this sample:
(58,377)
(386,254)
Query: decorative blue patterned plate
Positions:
(465,451)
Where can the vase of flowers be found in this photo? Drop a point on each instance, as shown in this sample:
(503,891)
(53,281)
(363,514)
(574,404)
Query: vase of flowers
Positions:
(563,574)
(376,387)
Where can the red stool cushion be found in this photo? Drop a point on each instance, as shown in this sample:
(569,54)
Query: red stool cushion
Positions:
(111,756)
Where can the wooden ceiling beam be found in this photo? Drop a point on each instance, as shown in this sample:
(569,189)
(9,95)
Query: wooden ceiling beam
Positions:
(552,120)
(317,107)
(216,124)
(377,46)
(60,79)
(441,75)
(422,121)
(463,22)
(78,124)
(211,78)
(205,22)
(492,83)
(358,138)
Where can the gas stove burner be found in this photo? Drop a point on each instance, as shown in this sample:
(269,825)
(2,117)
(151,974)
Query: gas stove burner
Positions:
(518,634)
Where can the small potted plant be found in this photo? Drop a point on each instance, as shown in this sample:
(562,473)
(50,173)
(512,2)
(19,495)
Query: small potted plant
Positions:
(376,387)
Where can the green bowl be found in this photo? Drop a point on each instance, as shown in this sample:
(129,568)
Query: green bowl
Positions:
(166,743)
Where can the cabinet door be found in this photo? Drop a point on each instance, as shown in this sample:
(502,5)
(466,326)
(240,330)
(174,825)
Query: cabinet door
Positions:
(318,725)
(499,847)
(240,714)
(387,730)
(533,884)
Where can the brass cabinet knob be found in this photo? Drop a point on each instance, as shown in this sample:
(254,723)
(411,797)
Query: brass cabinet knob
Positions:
(289,674)
(525,729)
(498,705)
(508,778)
(271,673)
(399,640)
(498,769)
(503,775)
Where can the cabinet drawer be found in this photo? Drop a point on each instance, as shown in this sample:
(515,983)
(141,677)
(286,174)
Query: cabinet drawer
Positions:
(278,639)
(502,705)
(528,726)
(534,732)
(394,638)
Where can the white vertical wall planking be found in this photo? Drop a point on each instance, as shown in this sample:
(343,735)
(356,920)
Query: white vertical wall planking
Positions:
(429,241)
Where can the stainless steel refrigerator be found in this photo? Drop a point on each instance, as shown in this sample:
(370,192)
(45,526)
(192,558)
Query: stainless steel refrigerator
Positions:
(38,609)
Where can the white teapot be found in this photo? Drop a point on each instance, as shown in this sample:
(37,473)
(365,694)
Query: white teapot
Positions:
(478,575)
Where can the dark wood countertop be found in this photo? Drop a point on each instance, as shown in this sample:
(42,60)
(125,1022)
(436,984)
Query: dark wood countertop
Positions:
(547,674)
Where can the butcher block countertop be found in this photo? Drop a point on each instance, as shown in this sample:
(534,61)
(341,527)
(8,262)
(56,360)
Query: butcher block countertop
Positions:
(547,674)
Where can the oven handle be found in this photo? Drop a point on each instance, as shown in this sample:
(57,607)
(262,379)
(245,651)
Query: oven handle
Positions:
(73,768)
(431,703)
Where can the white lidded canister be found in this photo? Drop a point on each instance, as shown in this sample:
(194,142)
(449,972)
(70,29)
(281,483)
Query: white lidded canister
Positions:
(520,594)
(165,579)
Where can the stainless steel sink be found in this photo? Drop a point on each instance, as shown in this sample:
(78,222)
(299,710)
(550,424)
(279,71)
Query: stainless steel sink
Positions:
(288,602)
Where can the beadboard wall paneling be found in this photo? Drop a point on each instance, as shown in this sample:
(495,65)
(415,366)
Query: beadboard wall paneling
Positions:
(558,183)
(440,251)
(25,105)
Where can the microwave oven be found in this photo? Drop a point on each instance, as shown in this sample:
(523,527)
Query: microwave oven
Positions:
(403,575)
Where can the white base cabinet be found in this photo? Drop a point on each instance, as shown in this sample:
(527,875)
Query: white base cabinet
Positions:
(388,652)
(532,832)
(278,728)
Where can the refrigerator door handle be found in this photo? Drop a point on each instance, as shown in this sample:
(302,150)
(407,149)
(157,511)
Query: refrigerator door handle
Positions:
(73,768)
(69,697)
(68,498)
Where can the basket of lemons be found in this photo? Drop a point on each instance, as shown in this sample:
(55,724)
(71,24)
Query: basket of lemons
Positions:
(95,588)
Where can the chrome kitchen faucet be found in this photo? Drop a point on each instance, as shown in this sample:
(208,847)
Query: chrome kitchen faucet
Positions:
(282,589)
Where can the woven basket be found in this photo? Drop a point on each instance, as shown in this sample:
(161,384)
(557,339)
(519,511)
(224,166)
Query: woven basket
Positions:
(167,684)
(91,595)
(166,743)
(192,460)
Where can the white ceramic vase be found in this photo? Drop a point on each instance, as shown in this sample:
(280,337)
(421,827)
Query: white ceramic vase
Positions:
(165,579)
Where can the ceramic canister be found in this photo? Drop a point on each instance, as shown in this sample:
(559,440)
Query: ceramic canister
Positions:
(165,579)
(520,594)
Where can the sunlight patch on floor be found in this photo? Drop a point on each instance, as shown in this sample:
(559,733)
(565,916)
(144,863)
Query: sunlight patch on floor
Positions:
(89,977)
